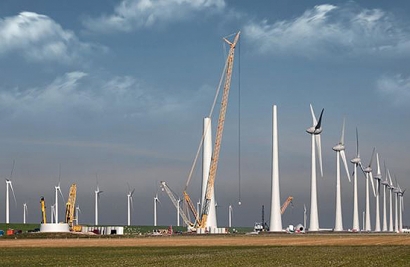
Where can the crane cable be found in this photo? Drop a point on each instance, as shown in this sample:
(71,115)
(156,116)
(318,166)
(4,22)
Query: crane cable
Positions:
(206,127)
(239,124)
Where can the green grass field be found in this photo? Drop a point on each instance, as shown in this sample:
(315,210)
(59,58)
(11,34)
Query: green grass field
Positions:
(207,256)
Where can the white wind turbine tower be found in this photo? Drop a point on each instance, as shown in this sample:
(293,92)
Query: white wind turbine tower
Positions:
(356,162)
(396,219)
(130,204)
(386,185)
(315,131)
(156,199)
(400,194)
(378,178)
(369,176)
(391,187)
(340,152)
(77,212)
(230,216)
(58,189)
(25,211)
(401,209)
(275,214)
(52,212)
(9,184)
(178,216)
(97,193)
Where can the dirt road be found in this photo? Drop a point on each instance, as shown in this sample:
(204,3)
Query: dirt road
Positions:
(230,240)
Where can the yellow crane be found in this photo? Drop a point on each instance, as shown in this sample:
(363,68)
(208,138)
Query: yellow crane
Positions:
(43,211)
(286,204)
(70,205)
(200,220)
(219,131)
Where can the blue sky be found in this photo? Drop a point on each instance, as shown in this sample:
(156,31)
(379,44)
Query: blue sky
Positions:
(119,89)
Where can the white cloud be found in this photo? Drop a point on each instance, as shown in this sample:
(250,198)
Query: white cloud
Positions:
(39,38)
(81,93)
(329,29)
(396,87)
(133,14)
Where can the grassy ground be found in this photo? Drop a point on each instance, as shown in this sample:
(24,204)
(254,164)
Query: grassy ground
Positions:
(207,256)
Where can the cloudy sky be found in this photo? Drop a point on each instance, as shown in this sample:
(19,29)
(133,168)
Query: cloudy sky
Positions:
(118,90)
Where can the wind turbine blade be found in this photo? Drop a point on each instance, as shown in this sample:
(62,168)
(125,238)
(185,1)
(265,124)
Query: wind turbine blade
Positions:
(342,153)
(378,187)
(14,196)
(378,164)
(402,203)
(132,192)
(371,159)
(371,180)
(342,138)
(388,172)
(319,123)
(12,169)
(357,143)
(132,203)
(313,115)
(319,148)
(61,194)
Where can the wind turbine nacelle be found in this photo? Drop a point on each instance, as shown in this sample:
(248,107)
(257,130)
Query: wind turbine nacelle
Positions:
(377,177)
(338,147)
(313,130)
(367,169)
(355,161)
(385,183)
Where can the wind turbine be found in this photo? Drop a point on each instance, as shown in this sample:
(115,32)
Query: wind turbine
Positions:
(53,212)
(179,203)
(97,193)
(340,152)
(386,185)
(25,211)
(58,189)
(130,203)
(77,212)
(396,197)
(369,176)
(378,178)
(315,131)
(198,206)
(230,216)
(156,199)
(391,187)
(400,194)
(9,184)
(357,163)
(401,204)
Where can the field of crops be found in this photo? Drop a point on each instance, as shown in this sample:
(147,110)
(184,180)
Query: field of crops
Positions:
(208,256)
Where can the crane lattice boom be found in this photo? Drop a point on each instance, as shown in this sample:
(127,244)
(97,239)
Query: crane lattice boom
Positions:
(219,131)
(286,204)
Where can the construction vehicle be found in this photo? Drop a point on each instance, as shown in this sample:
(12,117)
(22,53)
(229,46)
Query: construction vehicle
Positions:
(70,206)
(200,221)
(43,211)
(263,226)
